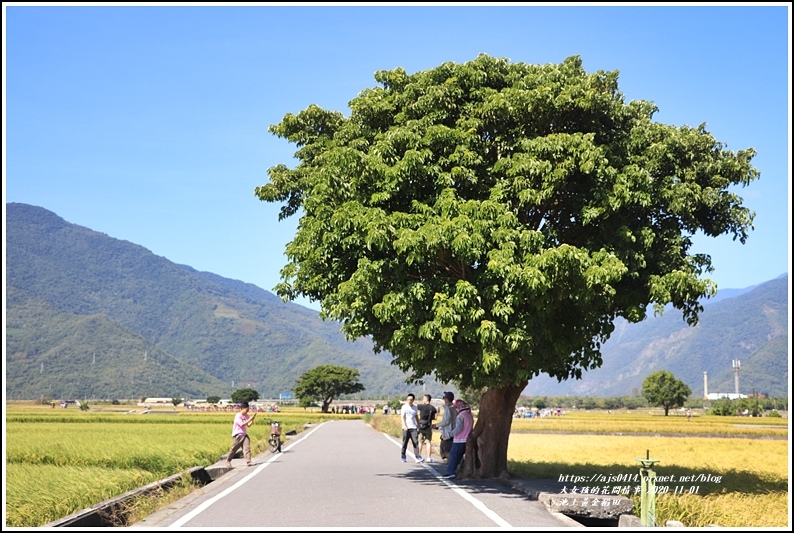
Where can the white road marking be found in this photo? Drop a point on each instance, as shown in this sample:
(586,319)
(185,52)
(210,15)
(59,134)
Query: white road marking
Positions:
(201,508)
(459,491)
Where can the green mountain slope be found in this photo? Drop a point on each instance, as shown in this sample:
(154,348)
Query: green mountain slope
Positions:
(61,355)
(225,333)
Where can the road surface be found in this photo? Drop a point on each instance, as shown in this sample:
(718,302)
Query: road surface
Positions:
(345,474)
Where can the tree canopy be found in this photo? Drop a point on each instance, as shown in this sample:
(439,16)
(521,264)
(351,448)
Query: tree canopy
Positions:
(324,383)
(663,389)
(488,221)
(246,394)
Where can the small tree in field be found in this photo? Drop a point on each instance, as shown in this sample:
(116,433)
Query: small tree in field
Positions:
(176,401)
(489,221)
(326,382)
(661,388)
(245,395)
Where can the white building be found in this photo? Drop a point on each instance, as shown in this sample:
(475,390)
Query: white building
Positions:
(721,395)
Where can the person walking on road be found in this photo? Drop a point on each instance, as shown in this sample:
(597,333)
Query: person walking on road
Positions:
(409,416)
(464,423)
(240,436)
(427,413)
(446,425)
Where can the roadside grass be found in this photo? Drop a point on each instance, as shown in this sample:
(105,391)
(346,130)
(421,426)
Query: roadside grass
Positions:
(733,509)
(41,493)
(144,506)
(391,425)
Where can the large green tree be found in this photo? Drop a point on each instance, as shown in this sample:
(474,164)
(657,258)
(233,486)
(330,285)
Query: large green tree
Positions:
(324,383)
(661,388)
(488,221)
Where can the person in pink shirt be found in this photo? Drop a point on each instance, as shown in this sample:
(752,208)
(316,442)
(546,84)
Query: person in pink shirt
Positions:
(240,436)
(464,423)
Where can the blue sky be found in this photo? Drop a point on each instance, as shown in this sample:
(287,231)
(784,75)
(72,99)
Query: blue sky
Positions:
(149,123)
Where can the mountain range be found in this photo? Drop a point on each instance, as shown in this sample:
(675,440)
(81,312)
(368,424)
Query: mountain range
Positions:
(749,326)
(90,316)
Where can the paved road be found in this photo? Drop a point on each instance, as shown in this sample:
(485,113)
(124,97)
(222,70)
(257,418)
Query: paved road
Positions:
(344,473)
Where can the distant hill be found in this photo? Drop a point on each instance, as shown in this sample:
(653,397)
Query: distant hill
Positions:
(749,325)
(90,316)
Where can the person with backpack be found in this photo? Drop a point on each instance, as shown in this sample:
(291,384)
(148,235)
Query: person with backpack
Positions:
(427,413)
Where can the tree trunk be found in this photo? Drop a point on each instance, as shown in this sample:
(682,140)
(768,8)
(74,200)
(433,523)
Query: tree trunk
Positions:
(486,447)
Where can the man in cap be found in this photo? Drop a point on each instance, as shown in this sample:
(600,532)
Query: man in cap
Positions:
(446,425)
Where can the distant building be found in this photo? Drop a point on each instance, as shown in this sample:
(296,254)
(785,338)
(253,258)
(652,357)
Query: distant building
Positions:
(721,395)
(156,401)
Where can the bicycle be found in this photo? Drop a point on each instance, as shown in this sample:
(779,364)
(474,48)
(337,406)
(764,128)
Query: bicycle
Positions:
(274,442)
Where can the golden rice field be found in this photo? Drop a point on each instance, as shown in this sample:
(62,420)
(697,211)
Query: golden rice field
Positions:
(653,421)
(71,460)
(738,482)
